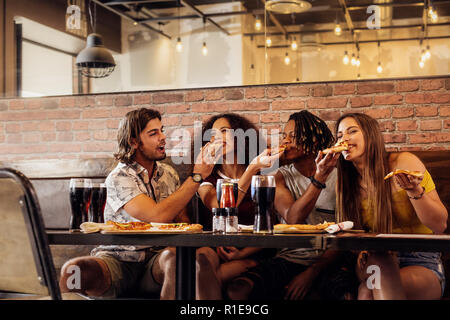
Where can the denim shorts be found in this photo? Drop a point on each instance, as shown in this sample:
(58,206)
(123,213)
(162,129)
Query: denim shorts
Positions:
(429,260)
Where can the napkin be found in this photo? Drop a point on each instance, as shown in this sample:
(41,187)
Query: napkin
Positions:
(346,225)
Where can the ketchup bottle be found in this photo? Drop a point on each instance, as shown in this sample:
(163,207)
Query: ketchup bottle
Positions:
(227,200)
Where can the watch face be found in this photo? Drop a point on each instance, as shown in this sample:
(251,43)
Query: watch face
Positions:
(197,177)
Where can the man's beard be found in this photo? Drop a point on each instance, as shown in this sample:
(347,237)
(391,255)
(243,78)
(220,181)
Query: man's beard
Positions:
(151,157)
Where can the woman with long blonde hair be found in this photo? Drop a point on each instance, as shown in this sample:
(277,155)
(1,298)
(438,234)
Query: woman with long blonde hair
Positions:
(403,204)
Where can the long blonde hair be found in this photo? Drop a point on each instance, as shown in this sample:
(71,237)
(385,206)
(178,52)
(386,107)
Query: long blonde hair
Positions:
(348,201)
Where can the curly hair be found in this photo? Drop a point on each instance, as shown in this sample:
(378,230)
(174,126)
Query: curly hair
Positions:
(130,128)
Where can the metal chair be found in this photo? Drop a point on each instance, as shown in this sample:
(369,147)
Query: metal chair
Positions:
(26,265)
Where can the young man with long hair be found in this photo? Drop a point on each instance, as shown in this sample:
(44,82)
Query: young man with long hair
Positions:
(141,188)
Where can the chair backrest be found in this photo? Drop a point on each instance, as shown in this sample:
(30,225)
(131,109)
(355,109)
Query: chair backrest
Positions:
(26,264)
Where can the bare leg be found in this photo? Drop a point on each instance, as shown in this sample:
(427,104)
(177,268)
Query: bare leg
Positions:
(95,278)
(231,269)
(208,283)
(164,272)
(420,283)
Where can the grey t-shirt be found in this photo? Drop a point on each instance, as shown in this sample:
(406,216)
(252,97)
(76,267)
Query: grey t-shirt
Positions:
(323,210)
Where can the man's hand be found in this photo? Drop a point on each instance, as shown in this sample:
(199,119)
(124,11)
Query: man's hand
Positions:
(207,158)
(325,164)
(228,253)
(300,285)
(266,159)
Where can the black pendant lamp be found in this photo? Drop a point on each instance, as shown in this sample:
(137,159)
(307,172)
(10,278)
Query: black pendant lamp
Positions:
(95,61)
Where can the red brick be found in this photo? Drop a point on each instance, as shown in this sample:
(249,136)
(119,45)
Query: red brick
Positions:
(431,84)
(14,138)
(50,103)
(270,117)
(427,111)
(392,99)
(80,125)
(159,98)
(418,98)
(112,124)
(299,91)
(234,94)
(48,136)
(329,115)
(407,125)
(444,111)
(30,126)
(403,112)
(379,113)
(63,114)
(288,105)
(430,124)
(357,102)
(123,100)
(97,124)
(192,96)
(68,102)
(366,88)
(13,127)
(16,105)
(100,135)
(179,108)
(31,104)
(107,100)
(327,103)
(407,85)
(210,107)
(276,92)
(386,126)
(65,136)
(85,101)
(96,114)
(99,147)
(322,91)
(213,95)
(2,138)
(63,126)
(422,138)
(440,97)
(188,121)
(82,136)
(64,147)
(170,121)
(250,105)
(394,138)
(447,84)
(447,124)
(142,99)
(46,126)
(255,93)
(346,88)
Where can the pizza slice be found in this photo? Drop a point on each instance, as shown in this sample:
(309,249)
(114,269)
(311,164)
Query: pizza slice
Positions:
(417,174)
(136,225)
(338,147)
(302,227)
(278,150)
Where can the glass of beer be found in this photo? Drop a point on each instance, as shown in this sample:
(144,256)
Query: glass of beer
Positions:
(98,202)
(80,199)
(263,195)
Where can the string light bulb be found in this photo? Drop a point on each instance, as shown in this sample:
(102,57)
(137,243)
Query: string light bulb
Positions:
(268,42)
(358,62)
(379,68)
(258,24)
(353,60)
(427,53)
(345,59)
(338,29)
(294,45)
(204,49)
(179,45)
(287,60)
(421,64)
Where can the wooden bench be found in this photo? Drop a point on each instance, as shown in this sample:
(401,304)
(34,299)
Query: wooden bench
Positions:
(51,179)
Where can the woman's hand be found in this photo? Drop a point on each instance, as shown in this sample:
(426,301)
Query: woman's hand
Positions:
(300,285)
(325,164)
(266,159)
(409,183)
(229,253)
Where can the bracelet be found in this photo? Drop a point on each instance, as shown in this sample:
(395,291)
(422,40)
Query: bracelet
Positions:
(419,196)
(316,183)
(241,190)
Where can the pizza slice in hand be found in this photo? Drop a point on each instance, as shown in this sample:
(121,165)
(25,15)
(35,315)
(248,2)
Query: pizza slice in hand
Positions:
(338,147)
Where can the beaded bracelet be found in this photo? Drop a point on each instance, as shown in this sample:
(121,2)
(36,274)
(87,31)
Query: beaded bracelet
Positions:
(419,196)
(316,183)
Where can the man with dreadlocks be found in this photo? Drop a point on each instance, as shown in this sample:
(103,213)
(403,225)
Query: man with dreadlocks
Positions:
(305,193)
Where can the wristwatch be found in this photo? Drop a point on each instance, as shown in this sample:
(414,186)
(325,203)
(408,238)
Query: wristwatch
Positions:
(197,177)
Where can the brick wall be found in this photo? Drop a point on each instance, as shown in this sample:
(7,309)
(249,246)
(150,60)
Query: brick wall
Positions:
(413,114)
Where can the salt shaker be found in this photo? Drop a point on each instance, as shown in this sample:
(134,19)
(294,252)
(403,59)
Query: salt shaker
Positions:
(218,224)
(231,220)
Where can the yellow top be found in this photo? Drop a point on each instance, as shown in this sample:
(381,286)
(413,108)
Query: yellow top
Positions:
(404,217)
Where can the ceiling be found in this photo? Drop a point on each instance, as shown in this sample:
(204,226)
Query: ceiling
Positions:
(351,14)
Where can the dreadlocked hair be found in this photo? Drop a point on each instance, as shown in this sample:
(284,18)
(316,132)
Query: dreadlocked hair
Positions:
(311,132)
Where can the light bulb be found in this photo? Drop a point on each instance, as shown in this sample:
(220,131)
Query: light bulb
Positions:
(345,59)
(434,17)
(379,68)
(287,60)
(135,23)
(427,53)
(430,11)
(179,45)
(421,64)
(353,60)
(268,42)
(258,24)
(204,49)
(357,63)
(294,45)
(338,30)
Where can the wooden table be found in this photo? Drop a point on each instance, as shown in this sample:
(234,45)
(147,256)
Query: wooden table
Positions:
(186,245)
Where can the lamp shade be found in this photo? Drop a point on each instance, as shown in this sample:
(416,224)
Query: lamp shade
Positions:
(95,61)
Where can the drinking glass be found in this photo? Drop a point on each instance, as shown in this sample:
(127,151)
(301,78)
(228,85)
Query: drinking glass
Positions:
(98,202)
(80,199)
(263,195)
